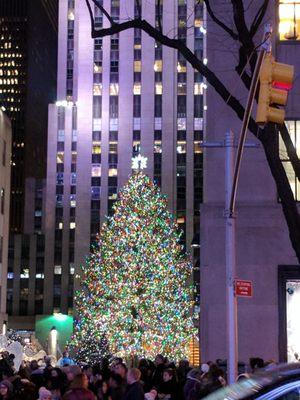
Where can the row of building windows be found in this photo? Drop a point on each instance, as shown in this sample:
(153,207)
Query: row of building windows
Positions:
(70,49)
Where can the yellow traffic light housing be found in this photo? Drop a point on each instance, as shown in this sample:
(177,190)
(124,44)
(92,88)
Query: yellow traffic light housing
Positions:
(275,81)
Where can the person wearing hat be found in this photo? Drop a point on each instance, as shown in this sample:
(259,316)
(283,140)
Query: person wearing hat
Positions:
(6,390)
(44,394)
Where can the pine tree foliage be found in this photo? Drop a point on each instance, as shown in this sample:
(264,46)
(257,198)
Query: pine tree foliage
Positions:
(135,289)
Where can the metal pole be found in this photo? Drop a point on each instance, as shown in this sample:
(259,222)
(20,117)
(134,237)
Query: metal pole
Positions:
(232,176)
(231,303)
(266,47)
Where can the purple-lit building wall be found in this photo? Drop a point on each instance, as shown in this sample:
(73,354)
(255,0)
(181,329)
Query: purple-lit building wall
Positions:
(118,97)
(262,239)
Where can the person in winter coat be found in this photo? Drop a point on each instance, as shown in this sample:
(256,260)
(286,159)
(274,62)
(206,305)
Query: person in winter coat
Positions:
(193,377)
(79,389)
(160,366)
(116,387)
(168,390)
(134,389)
(6,390)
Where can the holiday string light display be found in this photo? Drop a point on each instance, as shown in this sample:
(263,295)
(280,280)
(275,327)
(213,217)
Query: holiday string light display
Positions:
(135,290)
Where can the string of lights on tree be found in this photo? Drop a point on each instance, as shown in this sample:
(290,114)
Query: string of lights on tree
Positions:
(135,289)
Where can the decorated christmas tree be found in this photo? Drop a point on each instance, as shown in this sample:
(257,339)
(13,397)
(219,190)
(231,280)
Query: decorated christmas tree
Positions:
(135,289)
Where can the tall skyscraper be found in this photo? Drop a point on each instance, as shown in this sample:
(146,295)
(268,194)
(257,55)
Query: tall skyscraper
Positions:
(5,143)
(27,38)
(28,62)
(118,97)
(13,75)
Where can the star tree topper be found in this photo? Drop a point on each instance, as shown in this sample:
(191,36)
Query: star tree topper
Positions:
(139,163)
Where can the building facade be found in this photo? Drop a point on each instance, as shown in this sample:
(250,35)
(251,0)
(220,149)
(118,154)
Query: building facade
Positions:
(25,274)
(27,85)
(117,97)
(28,62)
(5,154)
(268,326)
(13,71)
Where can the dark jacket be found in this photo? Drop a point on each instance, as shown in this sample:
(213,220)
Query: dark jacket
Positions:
(134,392)
(79,394)
(170,387)
(157,377)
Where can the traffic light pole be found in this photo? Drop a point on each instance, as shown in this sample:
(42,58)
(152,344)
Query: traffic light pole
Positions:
(244,128)
(232,176)
(230,260)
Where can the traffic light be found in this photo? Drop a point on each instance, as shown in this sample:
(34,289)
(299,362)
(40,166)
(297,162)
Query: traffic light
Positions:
(275,81)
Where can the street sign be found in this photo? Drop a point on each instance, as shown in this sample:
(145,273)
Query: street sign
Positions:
(243,288)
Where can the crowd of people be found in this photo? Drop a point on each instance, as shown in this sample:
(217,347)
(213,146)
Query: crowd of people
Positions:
(109,380)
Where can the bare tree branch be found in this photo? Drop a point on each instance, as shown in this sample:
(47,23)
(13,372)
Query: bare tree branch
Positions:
(219,22)
(258,18)
(91,14)
(177,44)
(290,148)
(139,8)
(158,5)
(288,204)
(239,21)
(241,68)
(267,135)
(102,9)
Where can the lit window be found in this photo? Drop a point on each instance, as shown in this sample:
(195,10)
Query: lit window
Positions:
(113,148)
(198,22)
(71,16)
(57,269)
(112,193)
(114,89)
(72,225)
(60,225)
(157,146)
(72,200)
(181,67)
(2,200)
(97,67)
(289,20)
(25,273)
(197,147)
(158,66)
(137,66)
(39,276)
(97,89)
(96,170)
(198,88)
(60,158)
(158,88)
(294,131)
(96,149)
(112,172)
(137,88)
(181,147)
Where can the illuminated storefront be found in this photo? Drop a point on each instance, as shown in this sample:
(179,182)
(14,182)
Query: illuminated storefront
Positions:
(289,315)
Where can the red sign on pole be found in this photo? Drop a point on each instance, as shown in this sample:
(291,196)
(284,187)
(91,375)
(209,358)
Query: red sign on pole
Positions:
(243,288)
